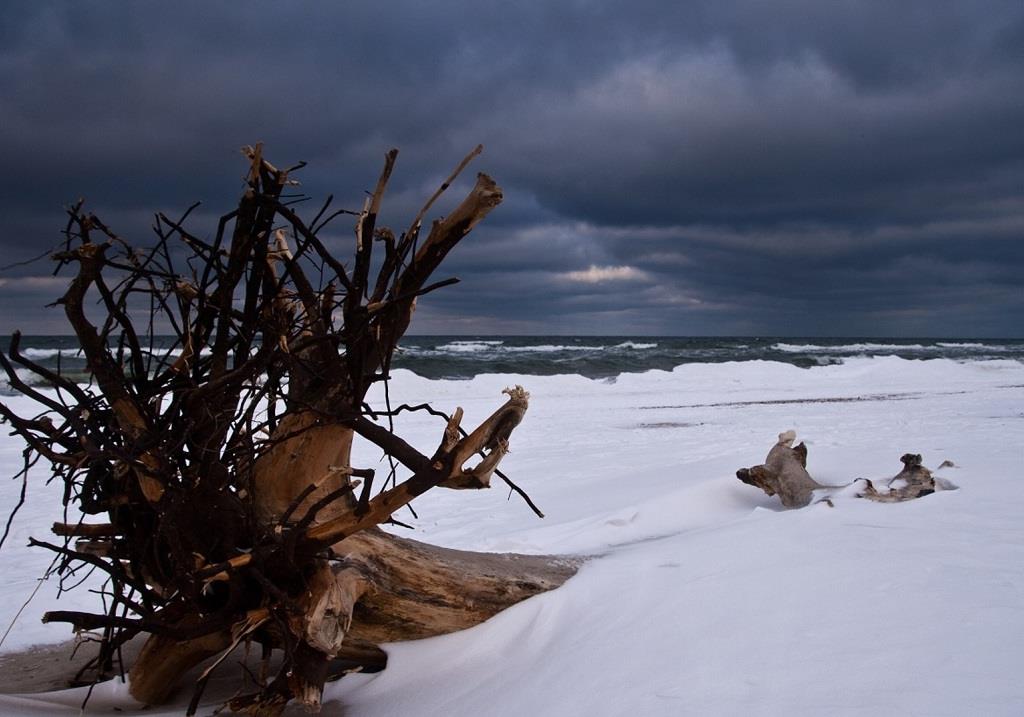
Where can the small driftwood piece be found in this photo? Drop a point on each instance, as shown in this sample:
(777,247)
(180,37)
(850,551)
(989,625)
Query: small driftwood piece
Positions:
(914,481)
(784,473)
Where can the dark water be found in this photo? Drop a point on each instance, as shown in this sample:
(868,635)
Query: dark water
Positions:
(600,356)
(603,356)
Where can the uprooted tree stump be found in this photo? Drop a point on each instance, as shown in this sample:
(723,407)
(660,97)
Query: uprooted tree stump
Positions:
(784,473)
(221,462)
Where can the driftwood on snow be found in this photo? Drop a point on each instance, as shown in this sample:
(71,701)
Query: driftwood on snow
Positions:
(218,469)
(784,473)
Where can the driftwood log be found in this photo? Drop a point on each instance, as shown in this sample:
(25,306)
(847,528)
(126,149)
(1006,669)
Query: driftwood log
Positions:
(784,473)
(218,464)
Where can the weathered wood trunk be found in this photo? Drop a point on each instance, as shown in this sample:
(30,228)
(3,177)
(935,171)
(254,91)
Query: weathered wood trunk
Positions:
(783,473)
(310,452)
(223,469)
(420,590)
(381,588)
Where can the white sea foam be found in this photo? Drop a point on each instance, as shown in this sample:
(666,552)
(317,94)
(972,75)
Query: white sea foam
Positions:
(40,354)
(551,348)
(634,345)
(847,348)
(469,346)
(968,345)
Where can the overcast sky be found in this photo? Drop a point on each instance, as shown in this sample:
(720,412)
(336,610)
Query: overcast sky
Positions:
(749,168)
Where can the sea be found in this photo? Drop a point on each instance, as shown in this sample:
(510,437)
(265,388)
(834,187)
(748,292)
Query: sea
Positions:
(598,357)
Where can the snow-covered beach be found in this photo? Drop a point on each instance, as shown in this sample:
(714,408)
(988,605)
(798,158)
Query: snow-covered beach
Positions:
(700,595)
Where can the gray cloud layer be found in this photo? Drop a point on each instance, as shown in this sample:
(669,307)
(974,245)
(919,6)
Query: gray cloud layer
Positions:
(723,167)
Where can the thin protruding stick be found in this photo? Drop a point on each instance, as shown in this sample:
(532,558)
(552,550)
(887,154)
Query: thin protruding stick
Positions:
(414,228)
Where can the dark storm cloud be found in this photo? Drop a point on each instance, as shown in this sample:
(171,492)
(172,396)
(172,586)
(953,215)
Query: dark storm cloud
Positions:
(720,167)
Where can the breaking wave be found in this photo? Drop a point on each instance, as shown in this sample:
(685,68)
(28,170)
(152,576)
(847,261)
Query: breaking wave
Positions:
(846,348)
